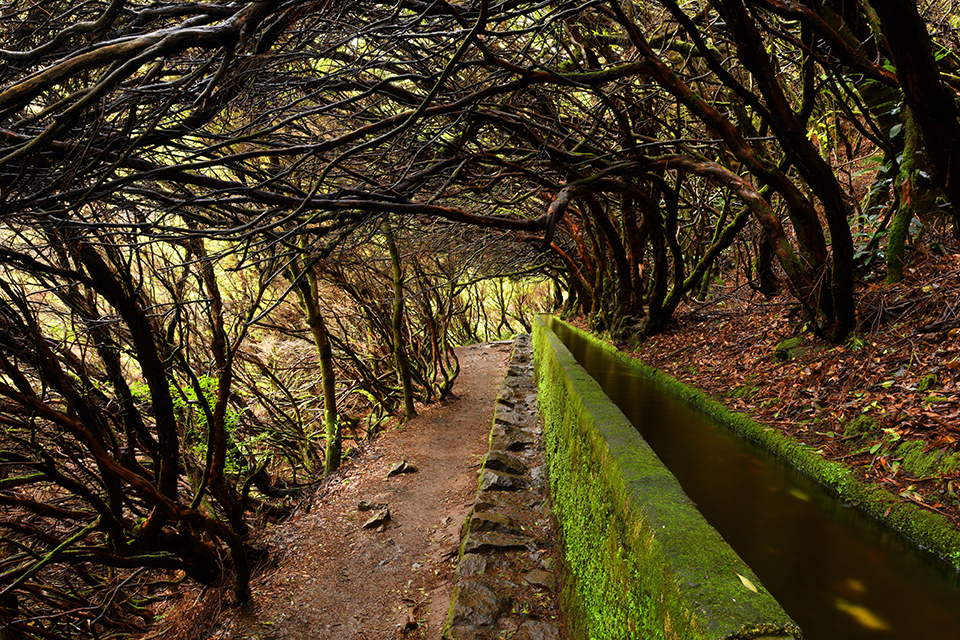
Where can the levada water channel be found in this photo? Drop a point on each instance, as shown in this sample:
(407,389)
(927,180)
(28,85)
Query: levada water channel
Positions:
(837,572)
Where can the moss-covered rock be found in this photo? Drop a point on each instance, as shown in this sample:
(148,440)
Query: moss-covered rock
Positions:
(783,351)
(927,382)
(936,462)
(860,425)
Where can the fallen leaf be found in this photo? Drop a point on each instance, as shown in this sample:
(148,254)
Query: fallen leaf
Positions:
(747,583)
(863,616)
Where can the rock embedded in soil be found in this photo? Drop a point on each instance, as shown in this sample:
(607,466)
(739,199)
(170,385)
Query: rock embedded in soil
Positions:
(477,604)
(516,417)
(401,467)
(495,522)
(505,437)
(483,542)
(490,501)
(472,565)
(501,461)
(538,630)
(541,578)
(378,520)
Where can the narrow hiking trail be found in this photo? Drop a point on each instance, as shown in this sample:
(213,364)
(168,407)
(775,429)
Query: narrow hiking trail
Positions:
(333,578)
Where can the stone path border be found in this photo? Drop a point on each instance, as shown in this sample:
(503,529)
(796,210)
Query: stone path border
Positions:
(506,579)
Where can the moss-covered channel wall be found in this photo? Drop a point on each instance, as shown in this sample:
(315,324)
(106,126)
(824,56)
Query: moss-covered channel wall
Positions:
(641,561)
(931,532)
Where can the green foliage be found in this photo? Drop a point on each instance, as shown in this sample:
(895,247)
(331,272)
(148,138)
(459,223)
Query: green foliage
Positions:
(497,308)
(885,443)
(856,342)
(745,391)
(193,422)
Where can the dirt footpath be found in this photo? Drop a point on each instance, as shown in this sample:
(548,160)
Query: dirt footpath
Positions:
(336,579)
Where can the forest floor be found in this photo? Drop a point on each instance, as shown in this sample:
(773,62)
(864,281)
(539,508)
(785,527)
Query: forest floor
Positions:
(886,402)
(333,579)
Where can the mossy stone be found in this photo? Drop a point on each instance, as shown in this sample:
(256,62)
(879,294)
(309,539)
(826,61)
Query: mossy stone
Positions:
(783,350)
(927,382)
(800,352)
(932,463)
(860,425)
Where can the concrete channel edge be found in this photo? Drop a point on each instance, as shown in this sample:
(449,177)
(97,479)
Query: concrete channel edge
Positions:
(639,560)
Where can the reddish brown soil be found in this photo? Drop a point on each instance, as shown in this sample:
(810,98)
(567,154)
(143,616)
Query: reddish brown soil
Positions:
(331,578)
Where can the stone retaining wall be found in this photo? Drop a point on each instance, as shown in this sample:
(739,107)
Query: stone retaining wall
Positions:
(640,561)
(506,573)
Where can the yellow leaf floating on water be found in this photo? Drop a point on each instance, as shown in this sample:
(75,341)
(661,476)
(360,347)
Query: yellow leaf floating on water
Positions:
(747,583)
(799,495)
(863,616)
(856,586)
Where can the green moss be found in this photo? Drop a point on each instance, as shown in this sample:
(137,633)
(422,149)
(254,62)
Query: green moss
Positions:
(860,425)
(746,391)
(914,460)
(928,530)
(936,462)
(927,382)
(783,350)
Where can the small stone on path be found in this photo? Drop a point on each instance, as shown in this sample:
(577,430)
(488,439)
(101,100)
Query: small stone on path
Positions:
(378,520)
(401,467)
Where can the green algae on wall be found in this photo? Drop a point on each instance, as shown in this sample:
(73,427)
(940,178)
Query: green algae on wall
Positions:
(641,561)
(932,532)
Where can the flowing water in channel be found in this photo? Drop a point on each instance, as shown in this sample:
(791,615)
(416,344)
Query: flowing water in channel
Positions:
(838,573)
